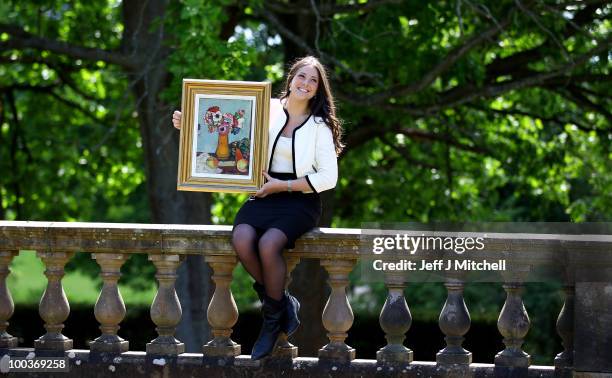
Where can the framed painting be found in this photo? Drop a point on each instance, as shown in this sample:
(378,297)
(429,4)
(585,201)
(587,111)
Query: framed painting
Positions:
(224,135)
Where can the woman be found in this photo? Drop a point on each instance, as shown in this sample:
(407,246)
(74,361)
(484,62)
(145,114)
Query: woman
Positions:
(304,141)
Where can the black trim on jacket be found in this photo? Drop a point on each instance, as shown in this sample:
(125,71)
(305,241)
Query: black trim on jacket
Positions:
(293,142)
(311,186)
(276,140)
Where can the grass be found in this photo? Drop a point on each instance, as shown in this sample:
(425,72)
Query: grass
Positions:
(27,283)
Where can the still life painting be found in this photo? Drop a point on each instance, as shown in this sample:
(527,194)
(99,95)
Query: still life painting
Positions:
(224,138)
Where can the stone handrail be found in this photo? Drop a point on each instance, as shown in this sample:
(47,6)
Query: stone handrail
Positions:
(338,250)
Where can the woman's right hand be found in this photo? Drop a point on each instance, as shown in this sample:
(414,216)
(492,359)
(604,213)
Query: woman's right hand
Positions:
(176,119)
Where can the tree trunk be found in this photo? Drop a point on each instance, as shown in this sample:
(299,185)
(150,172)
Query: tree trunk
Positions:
(160,142)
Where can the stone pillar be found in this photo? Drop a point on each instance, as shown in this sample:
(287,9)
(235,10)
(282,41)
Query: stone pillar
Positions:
(593,324)
(109,309)
(395,319)
(454,322)
(222,310)
(53,307)
(513,324)
(284,349)
(166,309)
(6,301)
(565,329)
(337,314)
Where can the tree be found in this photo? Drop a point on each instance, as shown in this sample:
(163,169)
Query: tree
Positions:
(71,42)
(460,110)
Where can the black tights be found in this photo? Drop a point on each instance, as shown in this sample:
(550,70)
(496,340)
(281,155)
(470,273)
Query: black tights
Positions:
(262,258)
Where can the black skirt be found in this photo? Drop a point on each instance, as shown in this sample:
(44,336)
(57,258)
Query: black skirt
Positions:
(293,213)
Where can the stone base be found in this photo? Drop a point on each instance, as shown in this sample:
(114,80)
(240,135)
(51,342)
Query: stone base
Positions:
(454,358)
(136,364)
(395,357)
(53,345)
(337,355)
(518,359)
(8,341)
(221,350)
(159,349)
(285,352)
(561,361)
(117,347)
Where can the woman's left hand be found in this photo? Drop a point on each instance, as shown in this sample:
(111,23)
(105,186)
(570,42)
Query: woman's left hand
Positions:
(272,186)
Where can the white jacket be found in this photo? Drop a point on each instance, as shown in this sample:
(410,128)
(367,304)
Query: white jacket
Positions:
(313,150)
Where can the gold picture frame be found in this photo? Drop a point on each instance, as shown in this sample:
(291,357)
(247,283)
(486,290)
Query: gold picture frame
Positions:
(224,135)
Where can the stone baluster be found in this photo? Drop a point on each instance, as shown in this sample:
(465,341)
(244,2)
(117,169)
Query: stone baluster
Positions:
(513,325)
(454,322)
(54,307)
(565,329)
(166,309)
(337,314)
(283,347)
(109,309)
(222,310)
(395,319)
(6,301)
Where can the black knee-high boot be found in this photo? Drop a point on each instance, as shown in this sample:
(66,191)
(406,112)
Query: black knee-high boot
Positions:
(273,312)
(290,322)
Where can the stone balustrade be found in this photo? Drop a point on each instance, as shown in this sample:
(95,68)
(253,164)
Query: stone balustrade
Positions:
(338,251)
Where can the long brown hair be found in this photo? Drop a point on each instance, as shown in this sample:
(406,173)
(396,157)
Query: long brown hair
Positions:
(322,104)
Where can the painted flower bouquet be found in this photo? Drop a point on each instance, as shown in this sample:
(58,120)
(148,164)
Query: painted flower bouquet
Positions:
(223,124)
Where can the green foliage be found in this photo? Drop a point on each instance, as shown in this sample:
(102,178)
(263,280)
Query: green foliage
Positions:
(27,283)
(244,295)
(198,50)
(527,155)
(542,167)
(71,146)
(75,149)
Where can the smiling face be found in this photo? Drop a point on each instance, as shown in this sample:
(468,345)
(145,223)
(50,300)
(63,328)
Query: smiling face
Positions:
(305,83)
